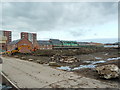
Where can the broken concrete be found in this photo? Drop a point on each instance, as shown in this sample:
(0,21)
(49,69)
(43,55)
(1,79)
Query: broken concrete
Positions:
(30,59)
(64,59)
(53,64)
(108,71)
(23,58)
(39,61)
(16,56)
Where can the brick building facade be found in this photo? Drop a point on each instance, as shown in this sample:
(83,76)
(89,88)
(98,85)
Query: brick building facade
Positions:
(31,37)
(44,45)
(5,38)
(24,44)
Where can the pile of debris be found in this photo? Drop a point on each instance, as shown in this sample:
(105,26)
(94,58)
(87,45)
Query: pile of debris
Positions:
(108,71)
(64,59)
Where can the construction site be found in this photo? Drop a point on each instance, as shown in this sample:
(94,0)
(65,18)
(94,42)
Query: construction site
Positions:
(57,63)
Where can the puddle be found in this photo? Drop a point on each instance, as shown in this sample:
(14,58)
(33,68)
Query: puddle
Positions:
(91,65)
(98,58)
(109,59)
(5,87)
(96,62)
(0,87)
(84,66)
(67,68)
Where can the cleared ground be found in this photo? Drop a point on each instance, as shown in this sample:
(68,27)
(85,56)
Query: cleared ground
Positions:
(27,74)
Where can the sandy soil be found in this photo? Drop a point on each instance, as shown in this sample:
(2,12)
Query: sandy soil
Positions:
(27,74)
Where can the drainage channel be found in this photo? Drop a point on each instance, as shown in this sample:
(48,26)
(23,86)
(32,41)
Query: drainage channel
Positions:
(7,84)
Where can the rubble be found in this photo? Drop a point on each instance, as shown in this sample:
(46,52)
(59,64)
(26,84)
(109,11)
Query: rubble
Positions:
(23,58)
(30,59)
(16,56)
(64,59)
(108,71)
(39,61)
(53,64)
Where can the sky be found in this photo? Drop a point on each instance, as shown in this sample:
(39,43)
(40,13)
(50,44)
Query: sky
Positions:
(62,20)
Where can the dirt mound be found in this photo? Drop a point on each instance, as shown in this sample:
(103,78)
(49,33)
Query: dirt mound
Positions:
(64,59)
(108,71)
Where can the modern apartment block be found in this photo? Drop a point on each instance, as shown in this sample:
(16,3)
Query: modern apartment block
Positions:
(7,34)
(5,38)
(30,36)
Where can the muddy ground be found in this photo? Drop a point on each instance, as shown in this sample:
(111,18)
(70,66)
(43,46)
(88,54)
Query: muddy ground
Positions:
(91,73)
(87,72)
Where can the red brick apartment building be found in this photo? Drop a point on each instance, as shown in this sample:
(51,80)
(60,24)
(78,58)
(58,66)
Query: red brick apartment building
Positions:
(5,38)
(31,37)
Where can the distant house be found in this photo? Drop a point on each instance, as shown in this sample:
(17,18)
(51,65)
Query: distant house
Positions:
(55,42)
(23,44)
(43,44)
(90,44)
(69,43)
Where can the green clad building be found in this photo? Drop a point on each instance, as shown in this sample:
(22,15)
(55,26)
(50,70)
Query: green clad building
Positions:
(69,43)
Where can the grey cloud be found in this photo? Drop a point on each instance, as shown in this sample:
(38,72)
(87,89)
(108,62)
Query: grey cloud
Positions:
(79,32)
(57,16)
(1,15)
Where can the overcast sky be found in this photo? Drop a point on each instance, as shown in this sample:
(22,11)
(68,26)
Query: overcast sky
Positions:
(65,21)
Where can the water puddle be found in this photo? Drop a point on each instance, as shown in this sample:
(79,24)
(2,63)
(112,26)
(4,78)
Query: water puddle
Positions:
(98,58)
(91,65)
(0,87)
(67,68)
(84,66)
(96,62)
(109,59)
(5,87)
